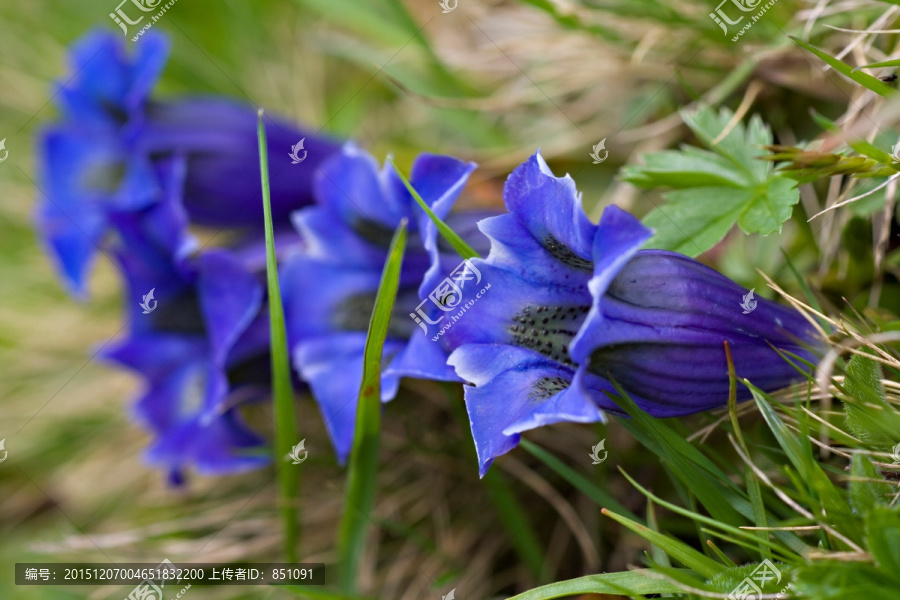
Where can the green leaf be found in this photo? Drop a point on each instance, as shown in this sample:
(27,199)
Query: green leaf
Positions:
(883,536)
(451,236)
(865,80)
(869,417)
(867,149)
(770,206)
(364,456)
(282,390)
(837,580)
(694,220)
(867,488)
(894,62)
(717,188)
(634,582)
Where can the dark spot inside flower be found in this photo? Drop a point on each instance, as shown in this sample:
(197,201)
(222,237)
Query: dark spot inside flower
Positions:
(546,387)
(368,390)
(115,112)
(253,370)
(551,340)
(353,313)
(563,254)
(180,314)
(373,232)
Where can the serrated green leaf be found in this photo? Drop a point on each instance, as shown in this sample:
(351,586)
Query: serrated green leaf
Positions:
(694,220)
(714,189)
(769,207)
(743,144)
(686,168)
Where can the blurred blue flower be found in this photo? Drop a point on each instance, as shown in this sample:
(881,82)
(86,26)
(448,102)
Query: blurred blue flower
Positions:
(201,348)
(98,160)
(573,305)
(329,287)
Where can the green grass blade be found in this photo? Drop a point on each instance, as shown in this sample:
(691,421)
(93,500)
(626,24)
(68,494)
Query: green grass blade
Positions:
(863,79)
(364,456)
(712,487)
(633,582)
(894,62)
(678,550)
(579,481)
(459,244)
(282,391)
(698,518)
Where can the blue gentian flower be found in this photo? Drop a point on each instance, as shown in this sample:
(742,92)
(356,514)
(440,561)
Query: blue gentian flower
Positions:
(98,160)
(329,287)
(200,340)
(573,306)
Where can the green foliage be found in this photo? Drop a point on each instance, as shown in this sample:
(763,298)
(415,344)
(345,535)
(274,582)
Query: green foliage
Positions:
(714,189)
(848,515)
(282,389)
(864,79)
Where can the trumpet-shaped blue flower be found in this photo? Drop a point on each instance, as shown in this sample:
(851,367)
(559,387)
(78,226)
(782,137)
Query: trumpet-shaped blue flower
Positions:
(330,286)
(197,338)
(98,161)
(573,306)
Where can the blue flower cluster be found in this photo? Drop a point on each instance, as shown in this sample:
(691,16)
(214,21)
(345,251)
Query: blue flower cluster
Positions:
(538,331)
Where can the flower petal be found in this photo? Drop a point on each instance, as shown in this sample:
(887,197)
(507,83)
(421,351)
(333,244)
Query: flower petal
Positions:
(549,209)
(618,237)
(515,390)
(230,297)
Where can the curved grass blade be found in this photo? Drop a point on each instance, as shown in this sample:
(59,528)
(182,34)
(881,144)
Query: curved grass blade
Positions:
(459,244)
(282,391)
(677,549)
(894,62)
(364,456)
(863,79)
(634,582)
